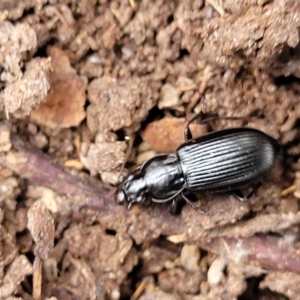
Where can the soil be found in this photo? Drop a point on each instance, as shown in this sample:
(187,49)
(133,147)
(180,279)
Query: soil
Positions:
(88,85)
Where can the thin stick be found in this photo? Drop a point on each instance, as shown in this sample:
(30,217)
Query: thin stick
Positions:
(37,278)
(216,6)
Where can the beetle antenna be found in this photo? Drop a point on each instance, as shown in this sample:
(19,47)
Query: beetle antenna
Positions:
(130,140)
(121,176)
(187,131)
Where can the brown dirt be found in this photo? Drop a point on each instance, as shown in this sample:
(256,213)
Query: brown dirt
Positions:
(76,78)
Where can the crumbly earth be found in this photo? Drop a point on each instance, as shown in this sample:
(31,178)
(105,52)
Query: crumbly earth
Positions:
(86,85)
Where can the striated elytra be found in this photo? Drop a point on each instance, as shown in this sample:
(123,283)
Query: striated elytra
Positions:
(220,161)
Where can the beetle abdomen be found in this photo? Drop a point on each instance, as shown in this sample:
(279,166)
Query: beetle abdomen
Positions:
(227,159)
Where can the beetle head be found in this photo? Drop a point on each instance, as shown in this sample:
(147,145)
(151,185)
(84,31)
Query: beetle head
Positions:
(132,190)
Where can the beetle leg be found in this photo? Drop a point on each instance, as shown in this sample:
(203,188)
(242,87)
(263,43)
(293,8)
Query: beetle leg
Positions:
(187,134)
(192,204)
(237,194)
(174,206)
(255,187)
(167,199)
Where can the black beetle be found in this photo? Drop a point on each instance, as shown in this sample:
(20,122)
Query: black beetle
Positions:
(220,161)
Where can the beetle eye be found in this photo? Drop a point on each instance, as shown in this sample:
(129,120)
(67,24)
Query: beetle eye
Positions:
(121,197)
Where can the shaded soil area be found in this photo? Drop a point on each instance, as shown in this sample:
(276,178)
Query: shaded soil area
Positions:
(88,85)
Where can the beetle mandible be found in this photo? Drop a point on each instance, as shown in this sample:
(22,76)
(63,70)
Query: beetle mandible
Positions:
(220,161)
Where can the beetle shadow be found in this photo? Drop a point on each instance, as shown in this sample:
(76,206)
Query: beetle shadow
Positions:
(179,202)
(204,199)
(202,202)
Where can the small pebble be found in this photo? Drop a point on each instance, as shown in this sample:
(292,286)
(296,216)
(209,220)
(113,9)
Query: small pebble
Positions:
(169,96)
(115,295)
(5,144)
(190,257)
(215,272)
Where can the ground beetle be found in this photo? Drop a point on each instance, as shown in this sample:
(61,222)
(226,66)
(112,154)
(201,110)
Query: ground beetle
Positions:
(220,161)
